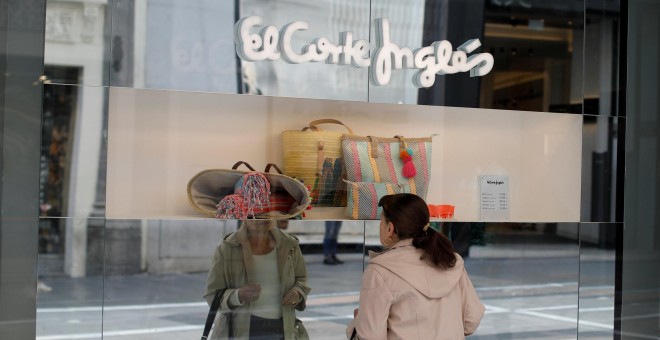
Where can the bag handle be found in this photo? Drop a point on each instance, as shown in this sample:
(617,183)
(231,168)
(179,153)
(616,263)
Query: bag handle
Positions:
(215,305)
(402,143)
(313,124)
(239,163)
(374,144)
(273,165)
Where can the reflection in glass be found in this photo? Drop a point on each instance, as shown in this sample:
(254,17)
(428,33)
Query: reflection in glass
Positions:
(335,288)
(538,56)
(601,57)
(327,19)
(154,269)
(526,275)
(163,298)
(602,170)
(165,44)
(406,30)
(155,274)
(75,37)
(537,48)
(179,45)
(597,281)
(174,45)
(69,300)
(59,111)
(332,229)
(71,149)
(261,278)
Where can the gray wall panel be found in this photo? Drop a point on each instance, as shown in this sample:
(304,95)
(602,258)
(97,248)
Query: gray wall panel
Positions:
(21,65)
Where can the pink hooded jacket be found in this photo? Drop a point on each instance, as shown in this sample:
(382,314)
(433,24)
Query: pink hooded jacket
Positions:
(403,297)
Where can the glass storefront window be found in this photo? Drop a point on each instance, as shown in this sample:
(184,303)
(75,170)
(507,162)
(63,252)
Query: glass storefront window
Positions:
(154,92)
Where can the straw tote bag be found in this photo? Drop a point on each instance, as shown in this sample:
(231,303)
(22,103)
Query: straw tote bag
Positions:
(289,197)
(315,157)
(378,166)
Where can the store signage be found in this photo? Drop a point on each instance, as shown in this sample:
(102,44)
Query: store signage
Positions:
(269,43)
(494,200)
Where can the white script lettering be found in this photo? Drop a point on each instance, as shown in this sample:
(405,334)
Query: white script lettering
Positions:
(269,43)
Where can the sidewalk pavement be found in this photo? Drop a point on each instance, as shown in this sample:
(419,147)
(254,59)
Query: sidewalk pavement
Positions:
(497,249)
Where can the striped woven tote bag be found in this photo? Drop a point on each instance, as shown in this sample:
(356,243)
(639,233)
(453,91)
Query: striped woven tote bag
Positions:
(363,198)
(398,161)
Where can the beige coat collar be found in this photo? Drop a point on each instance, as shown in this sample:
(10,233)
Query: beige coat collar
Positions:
(283,245)
(401,243)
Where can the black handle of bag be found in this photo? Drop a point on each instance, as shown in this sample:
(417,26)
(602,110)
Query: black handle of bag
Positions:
(354,334)
(239,163)
(273,165)
(215,305)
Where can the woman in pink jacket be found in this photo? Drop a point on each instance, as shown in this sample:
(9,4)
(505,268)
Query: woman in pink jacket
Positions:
(418,287)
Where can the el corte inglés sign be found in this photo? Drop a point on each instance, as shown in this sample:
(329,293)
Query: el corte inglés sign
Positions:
(255,42)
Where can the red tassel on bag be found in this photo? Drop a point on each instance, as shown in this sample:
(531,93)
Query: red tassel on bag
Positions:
(409,169)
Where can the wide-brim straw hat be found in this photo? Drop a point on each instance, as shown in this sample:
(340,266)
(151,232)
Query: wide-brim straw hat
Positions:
(207,188)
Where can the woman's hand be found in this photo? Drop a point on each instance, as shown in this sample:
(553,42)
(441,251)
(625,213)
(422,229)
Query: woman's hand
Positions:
(249,293)
(291,298)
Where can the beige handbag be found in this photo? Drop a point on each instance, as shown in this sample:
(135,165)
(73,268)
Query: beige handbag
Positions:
(315,157)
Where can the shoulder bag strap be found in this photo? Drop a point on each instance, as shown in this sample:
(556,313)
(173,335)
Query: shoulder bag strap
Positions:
(215,305)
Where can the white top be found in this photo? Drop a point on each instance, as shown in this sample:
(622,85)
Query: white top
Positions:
(269,303)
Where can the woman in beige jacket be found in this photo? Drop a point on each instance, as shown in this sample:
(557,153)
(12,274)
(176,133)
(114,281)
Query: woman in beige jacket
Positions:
(418,287)
(266,280)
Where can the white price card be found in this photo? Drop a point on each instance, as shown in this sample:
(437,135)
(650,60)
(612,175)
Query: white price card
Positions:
(494,200)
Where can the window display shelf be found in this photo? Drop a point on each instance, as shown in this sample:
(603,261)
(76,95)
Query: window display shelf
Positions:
(158,140)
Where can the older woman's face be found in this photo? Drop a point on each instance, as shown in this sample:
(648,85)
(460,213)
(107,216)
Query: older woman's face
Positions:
(259,225)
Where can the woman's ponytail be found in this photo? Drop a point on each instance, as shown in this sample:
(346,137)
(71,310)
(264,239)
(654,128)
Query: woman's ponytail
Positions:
(436,248)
